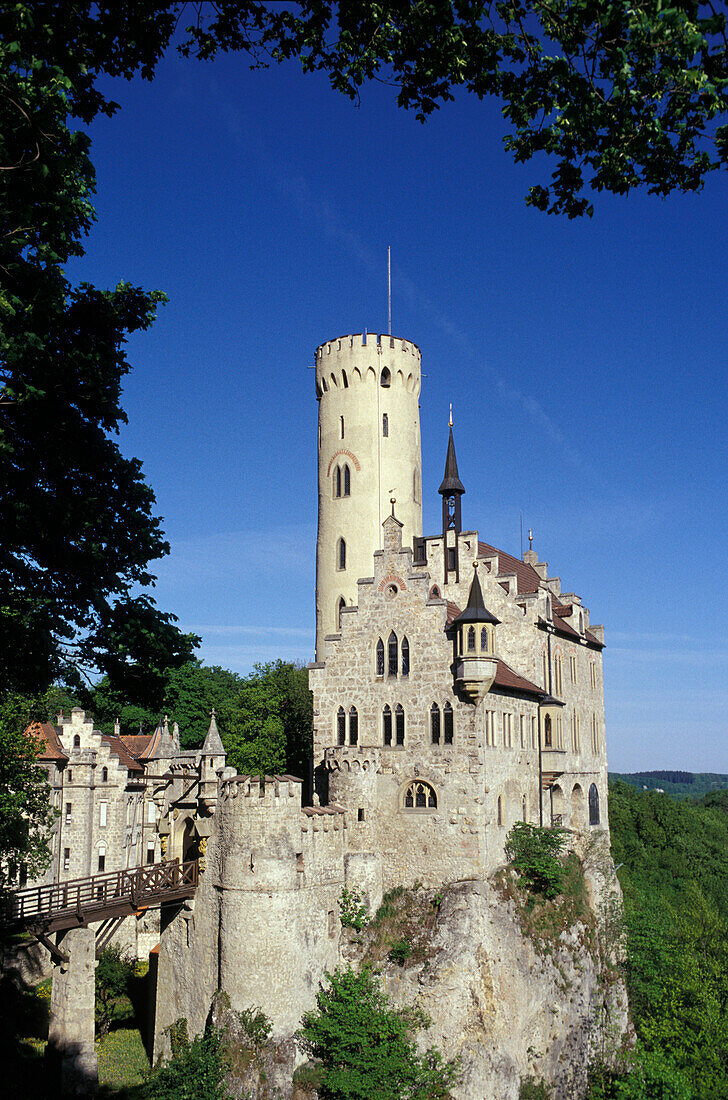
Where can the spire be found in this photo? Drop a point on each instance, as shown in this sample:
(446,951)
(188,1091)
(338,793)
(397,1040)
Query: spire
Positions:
(213,745)
(475,611)
(451,482)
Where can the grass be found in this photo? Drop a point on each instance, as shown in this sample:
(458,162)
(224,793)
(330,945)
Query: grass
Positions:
(545,920)
(403,927)
(123,1062)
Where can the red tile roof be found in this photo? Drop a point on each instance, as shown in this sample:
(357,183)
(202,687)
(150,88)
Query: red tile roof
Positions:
(118,748)
(507,678)
(527,579)
(563,610)
(593,640)
(48,741)
(452,611)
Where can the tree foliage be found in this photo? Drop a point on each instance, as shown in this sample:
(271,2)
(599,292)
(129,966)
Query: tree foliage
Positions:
(367,1048)
(535,853)
(194,1072)
(26,815)
(112,978)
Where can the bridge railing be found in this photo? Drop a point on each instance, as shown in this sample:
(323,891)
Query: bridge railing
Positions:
(134,884)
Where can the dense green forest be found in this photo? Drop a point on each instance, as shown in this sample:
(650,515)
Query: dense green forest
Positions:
(672,860)
(676,783)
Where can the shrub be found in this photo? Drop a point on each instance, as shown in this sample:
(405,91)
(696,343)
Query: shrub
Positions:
(114,972)
(534,853)
(256,1025)
(353,909)
(195,1071)
(400,951)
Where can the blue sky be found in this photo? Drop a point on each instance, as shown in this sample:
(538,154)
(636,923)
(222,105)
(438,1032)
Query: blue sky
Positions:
(585,361)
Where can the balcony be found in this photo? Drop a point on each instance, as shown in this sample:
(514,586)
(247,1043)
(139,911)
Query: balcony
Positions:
(474,676)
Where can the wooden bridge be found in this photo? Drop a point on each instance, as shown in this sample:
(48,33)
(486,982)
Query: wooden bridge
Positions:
(81,901)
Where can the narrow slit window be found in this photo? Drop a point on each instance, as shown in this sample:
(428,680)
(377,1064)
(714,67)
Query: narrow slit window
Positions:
(405,657)
(449,723)
(347,481)
(385,425)
(342,554)
(380,657)
(104,775)
(341,426)
(435,724)
(353,726)
(339,608)
(341,726)
(345,380)
(337,482)
(387,725)
(399,723)
(392,650)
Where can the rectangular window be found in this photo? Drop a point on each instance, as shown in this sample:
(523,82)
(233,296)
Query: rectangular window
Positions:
(593,673)
(507,731)
(577,726)
(545,671)
(151,813)
(595,735)
(103,806)
(69,807)
(533,732)
(69,776)
(522,724)
(449,724)
(572,668)
(66,858)
(150,852)
(385,425)
(490,728)
(559,732)
(451,559)
(435,725)
(102,860)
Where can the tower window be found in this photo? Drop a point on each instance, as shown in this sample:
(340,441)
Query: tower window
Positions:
(341,426)
(345,380)
(347,481)
(593,805)
(341,556)
(547,735)
(341,726)
(353,726)
(451,559)
(435,724)
(339,608)
(449,723)
(380,657)
(392,652)
(385,378)
(387,725)
(471,639)
(399,723)
(337,482)
(484,639)
(385,425)
(405,657)
(420,796)
(66,858)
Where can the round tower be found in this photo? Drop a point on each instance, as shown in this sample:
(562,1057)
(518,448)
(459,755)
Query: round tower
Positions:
(368,389)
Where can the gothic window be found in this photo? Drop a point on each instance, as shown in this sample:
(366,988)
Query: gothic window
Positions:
(347,481)
(484,639)
(547,737)
(385,378)
(385,425)
(471,639)
(404,649)
(593,805)
(420,796)
(353,726)
(104,775)
(341,426)
(449,723)
(399,723)
(341,726)
(387,725)
(392,654)
(435,724)
(500,810)
(337,482)
(341,555)
(339,608)
(380,657)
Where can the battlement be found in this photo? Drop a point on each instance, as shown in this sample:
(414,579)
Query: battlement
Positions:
(367,340)
(262,790)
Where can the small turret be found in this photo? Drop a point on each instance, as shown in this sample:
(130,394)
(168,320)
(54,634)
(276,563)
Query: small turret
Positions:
(212,745)
(451,491)
(475,661)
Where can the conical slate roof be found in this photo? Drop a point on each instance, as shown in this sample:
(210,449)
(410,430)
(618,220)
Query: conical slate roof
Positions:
(476,611)
(213,745)
(451,482)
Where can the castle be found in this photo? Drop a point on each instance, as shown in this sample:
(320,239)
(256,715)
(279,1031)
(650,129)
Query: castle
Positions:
(456,691)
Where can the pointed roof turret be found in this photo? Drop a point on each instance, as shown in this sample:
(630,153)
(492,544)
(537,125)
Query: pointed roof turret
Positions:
(213,744)
(476,611)
(451,482)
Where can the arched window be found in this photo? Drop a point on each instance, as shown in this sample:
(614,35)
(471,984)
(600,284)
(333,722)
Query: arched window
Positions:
(341,555)
(385,425)
(385,378)
(524,812)
(547,738)
(420,796)
(347,481)
(449,723)
(102,858)
(104,775)
(434,592)
(353,726)
(593,805)
(435,724)
(500,810)
(387,725)
(339,608)
(380,657)
(77,741)
(341,726)
(341,426)
(337,482)
(392,654)
(404,649)
(471,639)
(345,380)
(399,723)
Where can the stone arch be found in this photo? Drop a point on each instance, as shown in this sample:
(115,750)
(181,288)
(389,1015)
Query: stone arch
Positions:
(410,382)
(577,806)
(356,375)
(348,454)
(183,840)
(557,805)
(371,375)
(400,377)
(418,796)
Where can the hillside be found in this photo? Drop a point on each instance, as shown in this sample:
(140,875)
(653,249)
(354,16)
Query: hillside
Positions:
(678,784)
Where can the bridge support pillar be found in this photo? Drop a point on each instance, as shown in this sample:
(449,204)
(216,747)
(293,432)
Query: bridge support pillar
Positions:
(71,1053)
